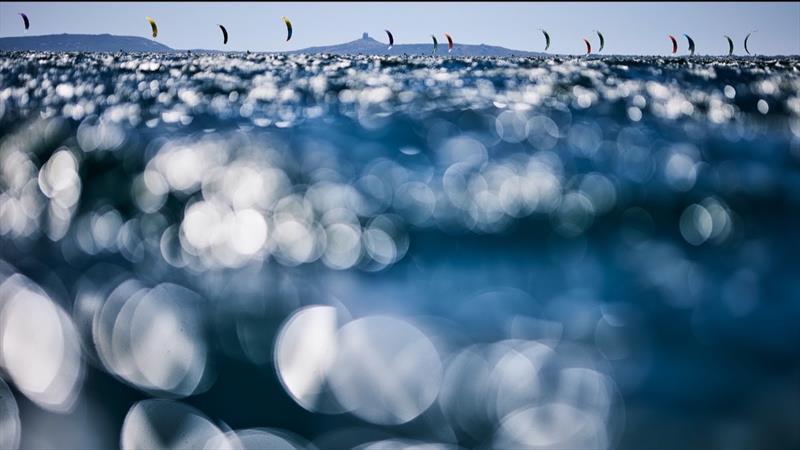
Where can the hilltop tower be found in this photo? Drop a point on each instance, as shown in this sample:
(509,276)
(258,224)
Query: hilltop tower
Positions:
(364,36)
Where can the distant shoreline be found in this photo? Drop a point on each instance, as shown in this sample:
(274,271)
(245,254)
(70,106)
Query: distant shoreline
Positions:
(364,46)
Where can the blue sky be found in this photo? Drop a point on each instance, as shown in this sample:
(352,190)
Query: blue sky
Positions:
(629,28)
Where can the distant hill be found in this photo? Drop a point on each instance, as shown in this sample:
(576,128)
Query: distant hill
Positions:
(81,43)
(369,46)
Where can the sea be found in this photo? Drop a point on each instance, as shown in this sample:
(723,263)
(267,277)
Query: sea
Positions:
(252,251)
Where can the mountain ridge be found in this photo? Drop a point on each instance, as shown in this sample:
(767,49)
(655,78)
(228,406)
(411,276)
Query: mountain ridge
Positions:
(368,45)
(81,43)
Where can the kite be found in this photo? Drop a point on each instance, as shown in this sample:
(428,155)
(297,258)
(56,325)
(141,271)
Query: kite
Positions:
(674,44)
(730,45)
(546,39)
(391,39)
(691,44)
(224,34)
(449,43)
(745,42)
(288,27)
(25,21)
(602,41)
(153,26)
(588,46)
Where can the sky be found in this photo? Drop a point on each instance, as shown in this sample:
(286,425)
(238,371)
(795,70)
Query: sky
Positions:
(629,28)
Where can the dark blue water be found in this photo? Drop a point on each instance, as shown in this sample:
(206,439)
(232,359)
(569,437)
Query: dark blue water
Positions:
(260,251)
